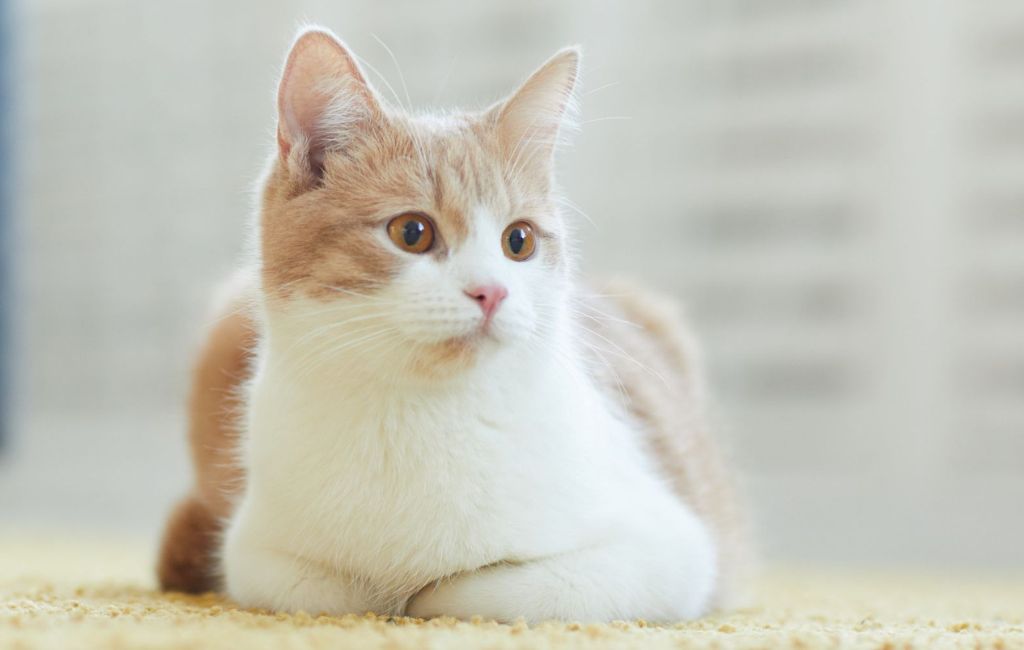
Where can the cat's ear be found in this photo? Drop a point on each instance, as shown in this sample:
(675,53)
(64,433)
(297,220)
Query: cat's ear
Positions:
(322,99)
(531,121)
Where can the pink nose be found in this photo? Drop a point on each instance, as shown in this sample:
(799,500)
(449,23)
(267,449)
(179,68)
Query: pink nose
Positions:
(489,297)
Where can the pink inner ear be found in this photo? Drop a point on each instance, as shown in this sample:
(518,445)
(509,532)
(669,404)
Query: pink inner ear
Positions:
(535,112)
(283,146)
(317,76)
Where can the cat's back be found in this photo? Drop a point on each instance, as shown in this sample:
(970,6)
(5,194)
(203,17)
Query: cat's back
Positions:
(643,354)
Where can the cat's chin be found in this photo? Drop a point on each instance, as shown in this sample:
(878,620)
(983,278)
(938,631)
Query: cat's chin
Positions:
(448,358)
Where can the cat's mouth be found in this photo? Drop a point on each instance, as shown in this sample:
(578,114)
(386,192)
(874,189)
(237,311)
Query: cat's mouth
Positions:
(454,353)
(482,335)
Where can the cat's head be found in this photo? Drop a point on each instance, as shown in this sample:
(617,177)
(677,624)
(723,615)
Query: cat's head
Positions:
(419,243)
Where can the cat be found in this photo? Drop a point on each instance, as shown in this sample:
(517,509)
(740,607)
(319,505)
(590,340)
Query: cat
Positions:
(413,406)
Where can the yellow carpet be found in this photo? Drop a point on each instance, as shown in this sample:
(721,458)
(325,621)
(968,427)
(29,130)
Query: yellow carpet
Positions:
(74,594)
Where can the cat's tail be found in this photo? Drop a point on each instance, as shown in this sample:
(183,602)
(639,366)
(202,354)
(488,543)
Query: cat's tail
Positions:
(189,549)
(189,554)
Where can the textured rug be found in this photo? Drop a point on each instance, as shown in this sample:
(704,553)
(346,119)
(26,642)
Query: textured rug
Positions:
(81,594)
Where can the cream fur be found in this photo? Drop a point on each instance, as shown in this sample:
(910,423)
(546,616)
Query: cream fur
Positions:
(503,481)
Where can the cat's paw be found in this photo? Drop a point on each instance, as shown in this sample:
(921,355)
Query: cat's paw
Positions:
(462,596)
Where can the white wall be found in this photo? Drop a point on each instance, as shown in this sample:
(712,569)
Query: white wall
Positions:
(836,188)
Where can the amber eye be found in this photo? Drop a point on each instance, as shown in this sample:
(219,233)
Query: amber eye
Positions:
(412,232)
(518,241)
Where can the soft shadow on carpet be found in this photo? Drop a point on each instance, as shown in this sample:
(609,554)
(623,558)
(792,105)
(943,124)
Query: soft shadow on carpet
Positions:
(76,594)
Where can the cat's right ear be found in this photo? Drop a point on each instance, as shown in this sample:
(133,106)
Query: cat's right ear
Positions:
(322,99)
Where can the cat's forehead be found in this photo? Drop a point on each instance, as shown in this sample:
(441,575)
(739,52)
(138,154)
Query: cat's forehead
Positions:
(464,156)
(451,168)
(467,178)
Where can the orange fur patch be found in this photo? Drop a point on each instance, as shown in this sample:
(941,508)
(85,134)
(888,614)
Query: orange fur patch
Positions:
(319,234)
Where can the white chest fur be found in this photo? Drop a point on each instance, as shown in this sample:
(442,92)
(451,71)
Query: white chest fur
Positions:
(381,489)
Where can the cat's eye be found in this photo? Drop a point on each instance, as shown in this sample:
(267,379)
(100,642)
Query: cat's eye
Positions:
(518,241)
(412,232)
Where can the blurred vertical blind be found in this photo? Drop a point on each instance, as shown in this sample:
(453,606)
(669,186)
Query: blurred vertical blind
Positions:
(852,227)
(5,240)
(835,188)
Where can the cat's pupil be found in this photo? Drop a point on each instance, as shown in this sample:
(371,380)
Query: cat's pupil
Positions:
(412,231)
(516,240)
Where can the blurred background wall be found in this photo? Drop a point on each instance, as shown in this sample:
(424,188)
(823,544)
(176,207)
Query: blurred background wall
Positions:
(834,187)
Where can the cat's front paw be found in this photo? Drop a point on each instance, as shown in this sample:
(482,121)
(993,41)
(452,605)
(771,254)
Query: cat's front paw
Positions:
(448,597)
(642,577)
(277,580)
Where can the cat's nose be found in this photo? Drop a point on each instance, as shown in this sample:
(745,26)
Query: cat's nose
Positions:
(488,296)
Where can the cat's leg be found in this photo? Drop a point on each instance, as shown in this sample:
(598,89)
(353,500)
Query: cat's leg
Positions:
(657,575)
(270,579)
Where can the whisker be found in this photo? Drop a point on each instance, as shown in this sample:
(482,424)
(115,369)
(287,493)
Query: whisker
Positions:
(610,118)
(601,87)
(401,77)
(578,210)
(623,353)
(601,318)
(366,64)
(444,81)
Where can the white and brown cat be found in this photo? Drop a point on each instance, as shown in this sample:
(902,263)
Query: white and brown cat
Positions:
(412,405)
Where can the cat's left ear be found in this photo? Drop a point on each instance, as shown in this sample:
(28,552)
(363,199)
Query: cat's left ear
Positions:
(532,120)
